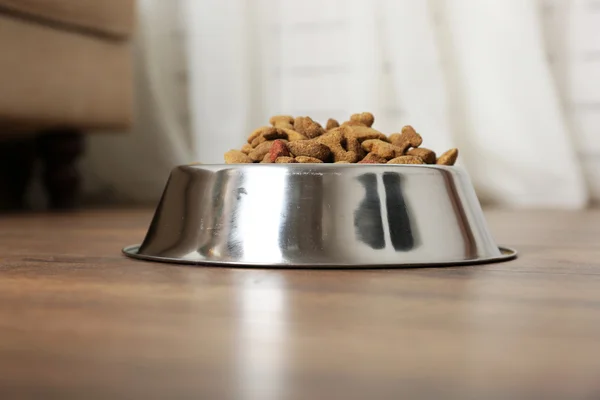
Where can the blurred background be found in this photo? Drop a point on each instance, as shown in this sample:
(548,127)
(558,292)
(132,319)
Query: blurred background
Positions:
(101,98)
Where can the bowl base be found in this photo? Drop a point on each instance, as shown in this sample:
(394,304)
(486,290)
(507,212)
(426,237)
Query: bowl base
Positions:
(506,255)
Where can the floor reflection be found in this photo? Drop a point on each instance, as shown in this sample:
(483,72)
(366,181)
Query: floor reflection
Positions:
(261,336)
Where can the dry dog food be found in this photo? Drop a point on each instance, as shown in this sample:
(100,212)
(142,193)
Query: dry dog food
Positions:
(303,140)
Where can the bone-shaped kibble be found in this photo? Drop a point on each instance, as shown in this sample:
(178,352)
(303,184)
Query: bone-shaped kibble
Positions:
(307,127)
(259,132)
(373,158)
(285,160)
(260,151)
(246,148)
(269,134)
(309,148)
(362,133)
(333,139)
(448,158)
(365,118)
(425,154)
(352,144)
(382,149)
(331,124)
(407,139)
(292,135)
(308,160)
(282,121)
(406,160)
(237,157)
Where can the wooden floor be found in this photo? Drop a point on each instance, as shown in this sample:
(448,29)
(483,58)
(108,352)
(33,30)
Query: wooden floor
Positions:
(78,320)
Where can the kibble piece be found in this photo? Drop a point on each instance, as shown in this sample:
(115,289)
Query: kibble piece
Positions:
(278,149)
(406,139)
(352,144)
(285,160)
(246,148)
(292,135)
(373,158)
(448,158)
(309,148)
(365,118)
(362,133)
(307,127)
(382,149)
(266,159)
(333,139)
(331,123)
(259,151)
(269,134)
(237,157)
(307,160)
(406,160)
(342,162)
(282,121)
(425,154)
(259,132)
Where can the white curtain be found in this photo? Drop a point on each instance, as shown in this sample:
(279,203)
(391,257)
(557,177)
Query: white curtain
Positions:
(472,74)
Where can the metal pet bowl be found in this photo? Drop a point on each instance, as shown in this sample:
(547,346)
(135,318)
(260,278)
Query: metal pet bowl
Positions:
(319,215)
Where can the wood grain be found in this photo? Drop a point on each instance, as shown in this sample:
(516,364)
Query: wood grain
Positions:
(78,320)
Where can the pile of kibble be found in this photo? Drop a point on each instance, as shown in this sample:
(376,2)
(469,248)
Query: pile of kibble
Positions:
(302,140)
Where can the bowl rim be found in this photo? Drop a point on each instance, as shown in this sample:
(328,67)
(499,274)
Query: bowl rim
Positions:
(327,165)
(506,254)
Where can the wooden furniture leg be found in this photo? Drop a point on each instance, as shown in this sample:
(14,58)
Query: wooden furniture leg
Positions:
(59,151)
(17,157)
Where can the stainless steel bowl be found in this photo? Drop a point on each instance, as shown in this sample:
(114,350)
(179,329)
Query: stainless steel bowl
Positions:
(319,215)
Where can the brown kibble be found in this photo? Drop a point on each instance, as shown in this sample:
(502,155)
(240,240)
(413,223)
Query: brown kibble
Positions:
(425,154)
(448,158)
(333,139)
(407,139)
(282,121)
(365,118)
(307,160)
(246,148)
(269,134)
(373,158)
(331,123)
(285,160)
(406,160)
(362,133)
(278,149)
(236,157)
(301,139)
(293,136)
(275,134)
(258,153)
(259,132)
(382,149)
(352,144)
(307,127)
(309,148)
